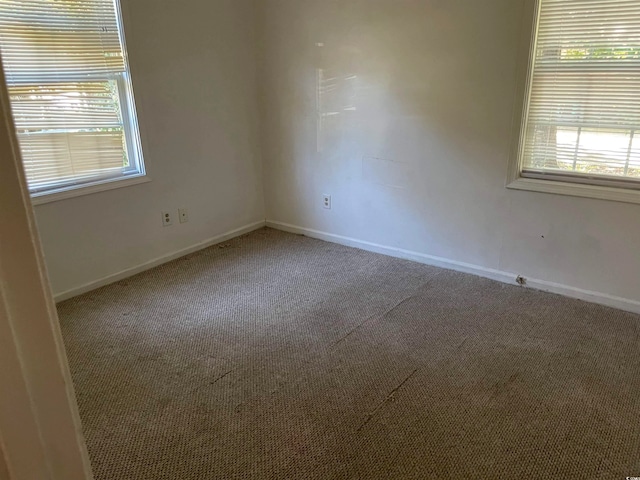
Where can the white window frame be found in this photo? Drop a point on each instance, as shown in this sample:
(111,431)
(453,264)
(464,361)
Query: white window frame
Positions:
(619,191)
(136,173)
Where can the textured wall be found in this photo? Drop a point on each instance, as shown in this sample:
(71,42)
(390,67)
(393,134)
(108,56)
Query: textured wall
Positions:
(402,111)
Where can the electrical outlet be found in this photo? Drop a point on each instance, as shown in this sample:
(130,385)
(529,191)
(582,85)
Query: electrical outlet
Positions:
(167,219)
(326,201)
(183,215)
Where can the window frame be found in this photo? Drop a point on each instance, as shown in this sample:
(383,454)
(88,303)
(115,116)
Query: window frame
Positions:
(136,173)
(594,187)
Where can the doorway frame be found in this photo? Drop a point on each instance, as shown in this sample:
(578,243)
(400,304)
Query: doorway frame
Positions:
(40,429)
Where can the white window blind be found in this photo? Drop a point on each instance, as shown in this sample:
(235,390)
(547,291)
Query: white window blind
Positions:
(70,91)
(582,120)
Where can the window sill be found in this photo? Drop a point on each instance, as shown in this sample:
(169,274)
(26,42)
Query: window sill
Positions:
(576,190)
(88,189)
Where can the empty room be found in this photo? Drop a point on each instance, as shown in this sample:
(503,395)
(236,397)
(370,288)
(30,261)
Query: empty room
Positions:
(319,239)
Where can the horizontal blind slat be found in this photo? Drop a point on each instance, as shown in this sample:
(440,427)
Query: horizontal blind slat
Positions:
(584,100)
(55,38)
(62,61)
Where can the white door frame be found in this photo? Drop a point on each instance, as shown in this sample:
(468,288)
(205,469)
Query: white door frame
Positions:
(40,430)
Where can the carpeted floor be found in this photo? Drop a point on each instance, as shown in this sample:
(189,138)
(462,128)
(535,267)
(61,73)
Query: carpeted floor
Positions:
(276,356)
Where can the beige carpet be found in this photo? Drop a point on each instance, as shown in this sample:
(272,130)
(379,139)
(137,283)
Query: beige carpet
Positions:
(276,356)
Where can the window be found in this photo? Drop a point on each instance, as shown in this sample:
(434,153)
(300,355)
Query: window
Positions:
(581,119)
(68,81)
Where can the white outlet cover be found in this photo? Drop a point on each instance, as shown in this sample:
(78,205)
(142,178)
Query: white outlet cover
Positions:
(166,219)
(183,215)
(326,201)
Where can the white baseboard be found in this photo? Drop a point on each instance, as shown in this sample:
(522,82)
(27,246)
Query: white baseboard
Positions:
(129,272)
(499,275)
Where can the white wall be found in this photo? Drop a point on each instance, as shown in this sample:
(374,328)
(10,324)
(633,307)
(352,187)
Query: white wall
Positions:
(418,163)
(410,133)
(194,75)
